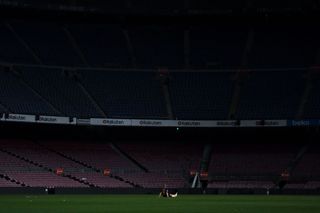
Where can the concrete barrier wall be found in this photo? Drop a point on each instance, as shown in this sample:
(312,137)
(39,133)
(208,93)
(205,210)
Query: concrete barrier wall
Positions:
(22,190)
(155,191)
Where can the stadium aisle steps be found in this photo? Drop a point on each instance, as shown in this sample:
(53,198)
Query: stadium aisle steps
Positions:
(7,181)
(119,178)
(48,169)
(125,155)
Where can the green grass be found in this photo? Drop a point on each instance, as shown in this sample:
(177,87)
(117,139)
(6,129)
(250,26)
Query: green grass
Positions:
(151,203)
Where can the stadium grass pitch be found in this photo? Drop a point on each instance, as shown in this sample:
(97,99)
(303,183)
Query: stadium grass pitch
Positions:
(152,203)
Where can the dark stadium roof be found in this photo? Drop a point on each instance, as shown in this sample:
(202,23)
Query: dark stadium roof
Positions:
(176,6)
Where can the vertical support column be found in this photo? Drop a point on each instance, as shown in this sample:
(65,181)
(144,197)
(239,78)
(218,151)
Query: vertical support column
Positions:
(305,95)
(75,46)
(204,166)
(90,97)
(310,75)
(285,175)
(186,48)
(24,43)
(130,48)
(240,75)
(2,105)
(164,80)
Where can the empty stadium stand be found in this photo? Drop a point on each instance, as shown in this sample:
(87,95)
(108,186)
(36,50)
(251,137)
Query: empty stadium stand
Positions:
(169,164)
(201,96)
(34,165)
(50,45)
(308,165)
(27,163)
(167,47)
(270,95)
(284,47)
(7,183)
(11,49)
(74,77)
(37,167)
(3,108)
(312,110)
(251,159)
(169,167)
(31,175)
(18,97)
(61,90)
(101,45)
(133,94)
(125,94)
(218,47)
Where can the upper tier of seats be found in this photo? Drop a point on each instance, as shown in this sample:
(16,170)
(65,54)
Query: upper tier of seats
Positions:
(126,94)
(16,96)
(73,57)
(312,108)
(201,95)
(134,94)
(271,95)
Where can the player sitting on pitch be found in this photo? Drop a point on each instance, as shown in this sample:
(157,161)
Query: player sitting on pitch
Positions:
(165,193)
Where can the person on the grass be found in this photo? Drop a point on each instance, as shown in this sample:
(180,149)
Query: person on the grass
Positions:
(165,193)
